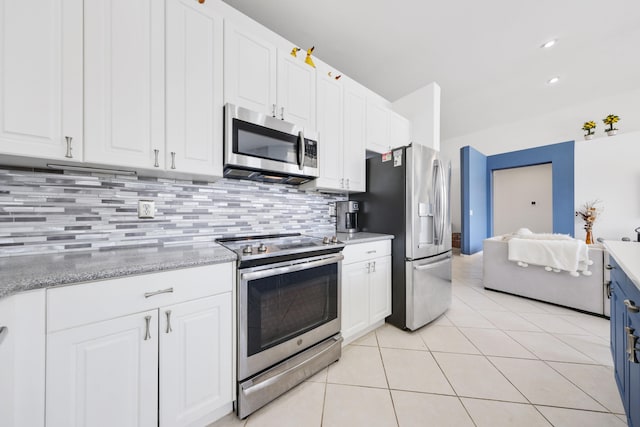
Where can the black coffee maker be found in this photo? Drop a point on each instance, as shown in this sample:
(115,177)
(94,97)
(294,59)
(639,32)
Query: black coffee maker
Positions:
(347,217)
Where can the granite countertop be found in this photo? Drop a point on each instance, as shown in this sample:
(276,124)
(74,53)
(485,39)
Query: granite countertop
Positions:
(362,237)
(627,254)
(23,273)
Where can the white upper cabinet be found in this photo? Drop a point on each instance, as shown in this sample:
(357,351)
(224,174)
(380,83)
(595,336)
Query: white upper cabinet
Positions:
(261,74)
(296,89)
(124,82)
(386,129)
(249,69)
(355,109)
(399,130)
(194,102)
(341,128)
(41,84)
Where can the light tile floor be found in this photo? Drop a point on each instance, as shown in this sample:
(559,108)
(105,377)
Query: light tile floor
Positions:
(492,360)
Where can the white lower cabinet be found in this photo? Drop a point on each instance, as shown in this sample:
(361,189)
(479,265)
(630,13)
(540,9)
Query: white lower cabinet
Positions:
(22,355)
(104,373)
(195,369)
(149,350)
(366,287)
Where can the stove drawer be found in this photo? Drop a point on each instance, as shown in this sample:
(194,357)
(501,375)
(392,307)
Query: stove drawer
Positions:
(81,304)
(357,252)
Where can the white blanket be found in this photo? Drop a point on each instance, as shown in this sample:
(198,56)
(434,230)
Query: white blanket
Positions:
(556,252)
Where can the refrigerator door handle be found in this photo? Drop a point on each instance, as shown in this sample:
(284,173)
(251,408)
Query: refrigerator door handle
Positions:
(432,265)
(438,186)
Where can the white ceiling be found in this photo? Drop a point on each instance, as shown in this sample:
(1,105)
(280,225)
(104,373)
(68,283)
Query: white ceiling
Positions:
(485,55)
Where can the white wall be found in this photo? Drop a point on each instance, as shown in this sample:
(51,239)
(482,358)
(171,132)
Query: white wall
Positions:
(608,169)
(422,108)
(514,192)
(561,126)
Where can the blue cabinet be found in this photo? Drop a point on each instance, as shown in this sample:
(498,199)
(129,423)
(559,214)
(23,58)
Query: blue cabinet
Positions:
(625,345)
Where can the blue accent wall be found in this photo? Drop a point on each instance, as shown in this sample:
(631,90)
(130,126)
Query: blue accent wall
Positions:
(561,156)
(474,198)
(477,188)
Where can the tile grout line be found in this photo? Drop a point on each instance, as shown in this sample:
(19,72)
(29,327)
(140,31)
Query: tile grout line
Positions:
(386,378)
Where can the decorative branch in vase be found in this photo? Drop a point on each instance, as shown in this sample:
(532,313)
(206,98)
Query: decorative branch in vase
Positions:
(590,128)
(589,213)
(610,120)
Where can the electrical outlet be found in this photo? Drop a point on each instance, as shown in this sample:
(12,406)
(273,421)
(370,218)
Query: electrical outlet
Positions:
(146,209)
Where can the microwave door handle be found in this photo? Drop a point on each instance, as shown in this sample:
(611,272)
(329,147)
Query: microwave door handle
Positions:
(301,150)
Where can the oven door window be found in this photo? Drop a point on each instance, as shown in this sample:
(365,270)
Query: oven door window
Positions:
(283,306)
(258,141)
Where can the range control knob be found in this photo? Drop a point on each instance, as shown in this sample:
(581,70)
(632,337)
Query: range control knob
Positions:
(247,249)
(334,239)
(262,248)
(325,240)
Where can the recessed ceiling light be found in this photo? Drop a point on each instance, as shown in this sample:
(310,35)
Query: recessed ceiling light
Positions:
(553,80)
(549,44)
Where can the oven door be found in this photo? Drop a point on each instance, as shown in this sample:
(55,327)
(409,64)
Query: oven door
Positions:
(285,308)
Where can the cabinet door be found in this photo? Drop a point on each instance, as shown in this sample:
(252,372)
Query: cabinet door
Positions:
(194,87)
(104,373)
(377,127)
(41,84)
(249,70)
(330,158)
(124,82)
(296,90)
(399,130)
(618,334)
(354,138)
(355,298)
(22,354)
(380,289)
(633,380)
(195,361)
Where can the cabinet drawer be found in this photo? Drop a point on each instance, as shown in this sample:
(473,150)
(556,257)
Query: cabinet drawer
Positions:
(85,303)
(364,251)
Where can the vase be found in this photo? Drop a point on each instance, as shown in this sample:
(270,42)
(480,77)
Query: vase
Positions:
(588,137)
(589,239)
(612,132)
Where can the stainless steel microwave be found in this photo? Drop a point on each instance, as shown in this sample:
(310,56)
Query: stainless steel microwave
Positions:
(263,148)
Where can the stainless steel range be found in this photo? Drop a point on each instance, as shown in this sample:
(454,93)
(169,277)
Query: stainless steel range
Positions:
(288,313)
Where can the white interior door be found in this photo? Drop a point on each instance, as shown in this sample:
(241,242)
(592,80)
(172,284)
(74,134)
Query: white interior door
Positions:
(523,197)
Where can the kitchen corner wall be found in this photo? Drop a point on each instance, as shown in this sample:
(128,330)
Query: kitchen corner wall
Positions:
(44,212)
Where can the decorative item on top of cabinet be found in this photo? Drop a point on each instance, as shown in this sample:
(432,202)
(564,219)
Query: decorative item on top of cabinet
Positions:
(610,120)
(589,127)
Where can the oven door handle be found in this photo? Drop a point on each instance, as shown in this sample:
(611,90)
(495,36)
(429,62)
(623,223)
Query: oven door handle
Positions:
(305,265)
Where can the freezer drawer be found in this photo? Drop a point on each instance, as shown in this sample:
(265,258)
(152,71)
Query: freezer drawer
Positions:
(428,289)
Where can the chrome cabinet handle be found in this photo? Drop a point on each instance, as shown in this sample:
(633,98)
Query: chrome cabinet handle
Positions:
(609,290)
(147,334)
(161,291)
(368,267)
(631,306)
(371,252)
(168,314)
(609,267)
(173,160)
(373,267)
(632,340)
(282,113)
(347,184)
(273,110)
(3,330)
(156,152)
(68,154)
(341,182)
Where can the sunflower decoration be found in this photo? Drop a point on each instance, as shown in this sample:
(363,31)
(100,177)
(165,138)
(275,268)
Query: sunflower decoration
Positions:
(589,127)
(610,120)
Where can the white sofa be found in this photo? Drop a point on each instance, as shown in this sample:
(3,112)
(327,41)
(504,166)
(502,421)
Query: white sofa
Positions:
(585,293)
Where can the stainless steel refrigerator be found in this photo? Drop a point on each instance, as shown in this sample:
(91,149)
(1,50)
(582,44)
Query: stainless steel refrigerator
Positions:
(408,196)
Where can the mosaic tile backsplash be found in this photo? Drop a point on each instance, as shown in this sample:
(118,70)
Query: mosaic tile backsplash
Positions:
(44,212)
